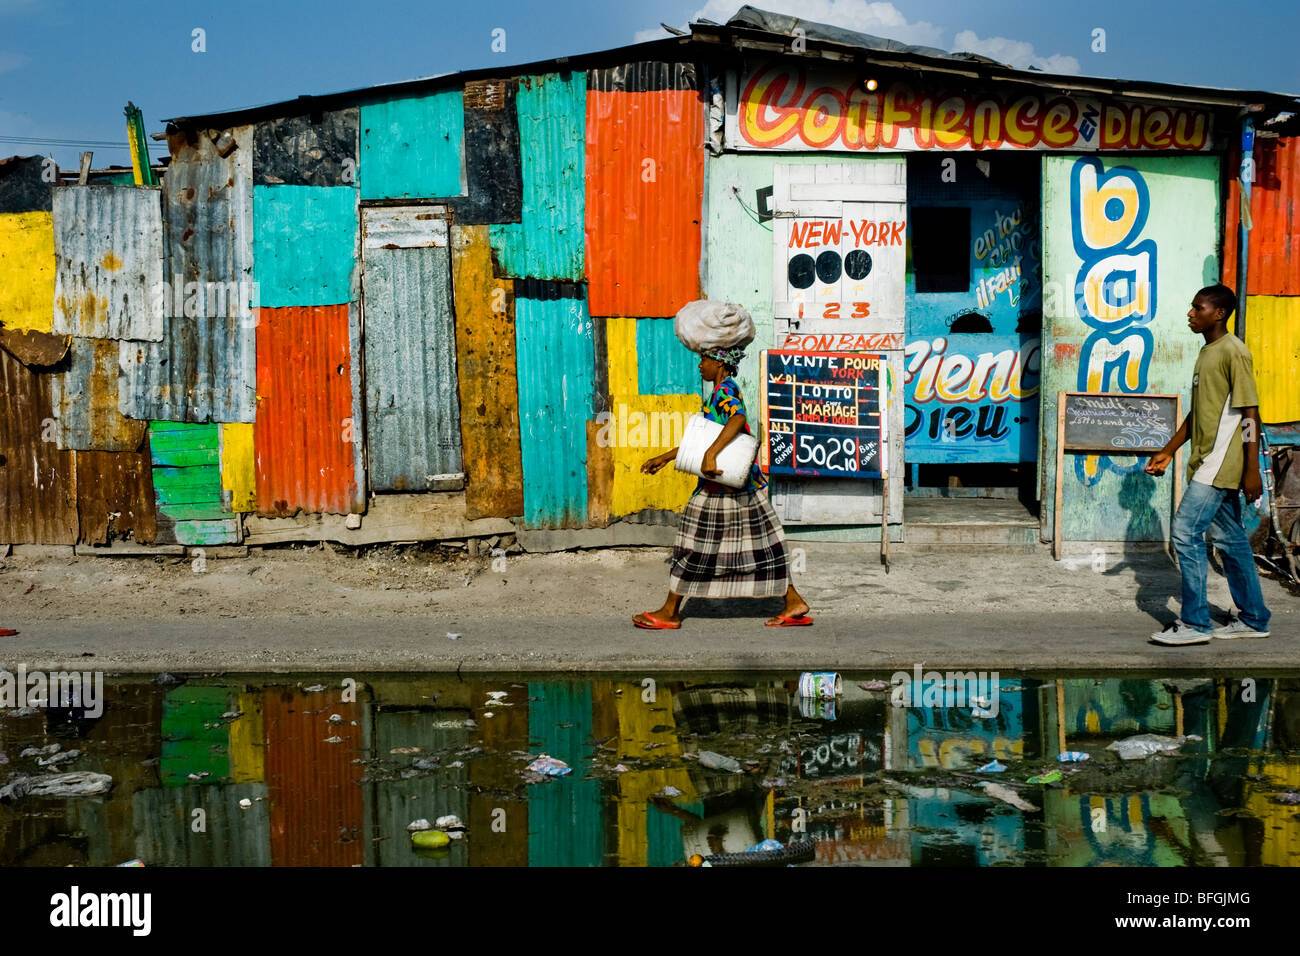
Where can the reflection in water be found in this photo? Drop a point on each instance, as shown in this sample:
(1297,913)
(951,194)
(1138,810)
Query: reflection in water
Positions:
(263,771)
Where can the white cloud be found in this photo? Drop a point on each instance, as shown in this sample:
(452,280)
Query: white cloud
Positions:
(878,19)
(1016,53)
(12,61)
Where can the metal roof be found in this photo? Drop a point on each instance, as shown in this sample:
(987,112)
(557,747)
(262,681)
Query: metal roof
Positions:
(757,31)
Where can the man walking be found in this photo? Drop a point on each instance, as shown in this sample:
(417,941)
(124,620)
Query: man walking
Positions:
(1223,426)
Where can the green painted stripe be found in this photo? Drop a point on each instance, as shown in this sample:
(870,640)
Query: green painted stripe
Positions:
(189,512)
(207,532)
(186,457)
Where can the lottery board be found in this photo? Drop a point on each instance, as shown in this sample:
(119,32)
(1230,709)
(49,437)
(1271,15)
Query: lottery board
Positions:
(824,413)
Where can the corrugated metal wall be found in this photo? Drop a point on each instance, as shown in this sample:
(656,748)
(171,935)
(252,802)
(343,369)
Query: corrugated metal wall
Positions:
(548,243)
(1274,267)
(412,406)
(85,400)
(566,817)
(204,368)
(411,147)
(645,184)
(489,382)
(556,364)
(1273,337)
(308,432)
(109,262)
(115,496)
(38,497)
(317,811)
(26,270)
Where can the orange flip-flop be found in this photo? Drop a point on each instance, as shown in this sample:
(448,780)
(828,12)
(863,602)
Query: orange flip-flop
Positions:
(657,624)
(799,620)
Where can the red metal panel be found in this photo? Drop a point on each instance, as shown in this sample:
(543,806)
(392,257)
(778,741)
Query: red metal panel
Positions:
(38,482)
(317,813)
(1274,267)
(645,187)
(115,496)
(305,412)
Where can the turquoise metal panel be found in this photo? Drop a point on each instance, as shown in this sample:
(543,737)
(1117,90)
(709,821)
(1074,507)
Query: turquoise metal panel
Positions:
(412,147)
(305,243)
(549,241)
(664,365)
(1168,211)
(556,363)
(565,815)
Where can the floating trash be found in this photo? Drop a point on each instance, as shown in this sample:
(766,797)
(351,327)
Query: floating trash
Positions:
(1073,756)
(992,767)
(1053,777)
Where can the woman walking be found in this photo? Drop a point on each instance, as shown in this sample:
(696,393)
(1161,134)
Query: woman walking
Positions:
(730,542)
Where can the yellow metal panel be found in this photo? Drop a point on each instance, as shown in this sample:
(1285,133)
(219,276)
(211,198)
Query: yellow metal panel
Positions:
(642,426)
(247,741)
(27,271)
(1273,337)
(238,476)
(488,375)
(620,343)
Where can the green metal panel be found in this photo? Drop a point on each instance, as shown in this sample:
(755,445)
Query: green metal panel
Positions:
(195,738)
(565,814)
(1173,236)
(549,241)
(413,147)
(187,483)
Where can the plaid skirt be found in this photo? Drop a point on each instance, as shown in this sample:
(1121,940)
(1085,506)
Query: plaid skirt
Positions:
(729,545)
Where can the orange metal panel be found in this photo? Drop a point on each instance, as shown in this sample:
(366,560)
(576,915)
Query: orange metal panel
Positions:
(317,812)
(1274,267)
(307,430)
(645,187)
(38,482)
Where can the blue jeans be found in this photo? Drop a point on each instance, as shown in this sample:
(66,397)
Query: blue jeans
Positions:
(1219,509)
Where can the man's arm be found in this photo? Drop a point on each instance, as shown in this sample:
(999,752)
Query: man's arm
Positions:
(1161,459)
(1251,482)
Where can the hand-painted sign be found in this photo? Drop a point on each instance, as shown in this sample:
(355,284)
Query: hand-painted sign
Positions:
(784,107)
(824,414)
(842,342)
(971,398)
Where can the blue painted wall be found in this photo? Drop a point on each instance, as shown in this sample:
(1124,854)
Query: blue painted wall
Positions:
(550,241)
(305,244)
(555,355)
(664,365)
(413,147)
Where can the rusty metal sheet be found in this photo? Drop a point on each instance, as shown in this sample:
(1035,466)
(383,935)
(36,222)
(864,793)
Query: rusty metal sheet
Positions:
(489,384)
(85,400)
(1274,266)
(412,406)
(493,178)
(38,497)
(204,368)
(644,201)
(318,150)
(108,279)
(644,76)
(115,496)
(25,184)
(35,348)
(317,806)
(308,435)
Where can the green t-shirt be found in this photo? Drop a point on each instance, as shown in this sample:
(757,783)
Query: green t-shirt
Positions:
(1222,384)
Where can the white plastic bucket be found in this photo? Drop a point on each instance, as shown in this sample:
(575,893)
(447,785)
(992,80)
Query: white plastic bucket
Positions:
(734,460)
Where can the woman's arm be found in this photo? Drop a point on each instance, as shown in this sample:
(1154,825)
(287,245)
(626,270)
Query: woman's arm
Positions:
(735,425)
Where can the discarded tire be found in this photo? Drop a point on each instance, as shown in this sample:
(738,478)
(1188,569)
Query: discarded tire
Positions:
(800,852)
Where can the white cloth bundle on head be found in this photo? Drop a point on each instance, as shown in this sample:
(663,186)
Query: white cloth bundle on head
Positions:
(705,324)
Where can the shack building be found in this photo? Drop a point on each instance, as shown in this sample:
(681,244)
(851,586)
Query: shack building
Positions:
(443,308)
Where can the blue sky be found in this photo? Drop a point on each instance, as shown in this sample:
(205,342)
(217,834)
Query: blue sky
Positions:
(67,68)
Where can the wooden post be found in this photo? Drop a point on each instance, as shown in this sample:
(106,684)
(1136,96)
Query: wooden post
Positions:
(83,175)
(1060,714)
(1060,471)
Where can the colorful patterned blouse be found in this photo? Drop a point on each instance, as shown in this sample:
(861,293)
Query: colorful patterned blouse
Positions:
(726,401)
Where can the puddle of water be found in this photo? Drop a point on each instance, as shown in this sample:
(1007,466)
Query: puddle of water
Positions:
(261,770)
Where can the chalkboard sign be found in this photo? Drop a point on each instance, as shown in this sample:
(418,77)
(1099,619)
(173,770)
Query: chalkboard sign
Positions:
(824,414)
(1119,422)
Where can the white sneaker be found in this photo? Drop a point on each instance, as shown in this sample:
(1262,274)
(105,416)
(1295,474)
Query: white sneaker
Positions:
(1236,628)
(1178,634)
